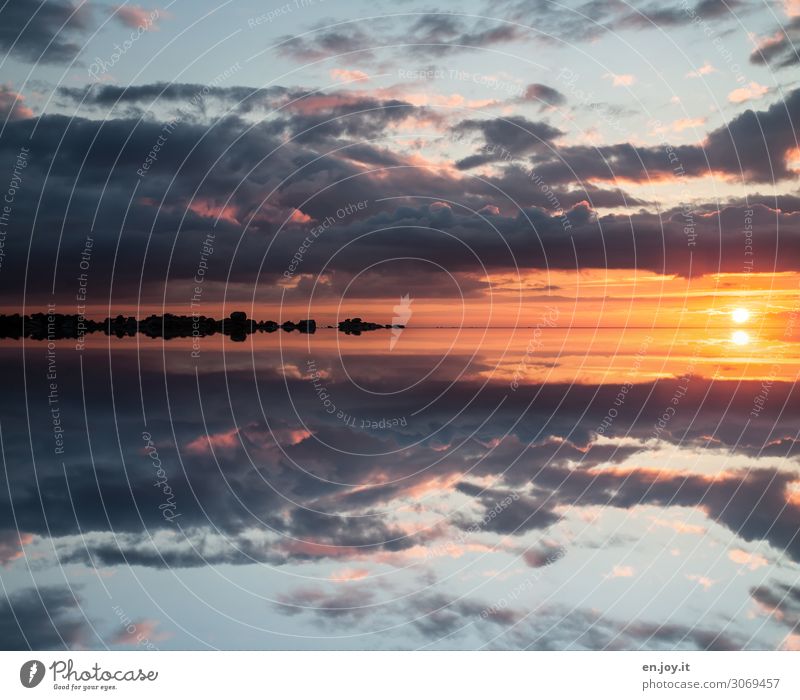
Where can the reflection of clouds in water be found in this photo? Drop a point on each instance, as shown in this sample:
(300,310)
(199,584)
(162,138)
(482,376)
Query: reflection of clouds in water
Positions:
(496,479)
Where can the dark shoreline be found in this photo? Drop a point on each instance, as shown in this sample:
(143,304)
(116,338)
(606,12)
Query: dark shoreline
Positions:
(53,326)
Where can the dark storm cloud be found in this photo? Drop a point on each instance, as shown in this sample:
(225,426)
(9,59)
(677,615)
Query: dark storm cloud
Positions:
(151,94)
(192,548)
(681,242)
(506,137)
(43,32)
(506,512)
(307,114)
(516,184)
(363,118)
(47,617)
(337,531)
(787,203)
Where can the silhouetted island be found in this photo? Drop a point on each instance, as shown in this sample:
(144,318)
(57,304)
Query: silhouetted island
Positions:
(355,326)
(45,326)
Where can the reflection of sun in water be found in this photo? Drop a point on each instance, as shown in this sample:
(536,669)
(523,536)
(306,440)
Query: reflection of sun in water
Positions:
(740,338)
(740,315)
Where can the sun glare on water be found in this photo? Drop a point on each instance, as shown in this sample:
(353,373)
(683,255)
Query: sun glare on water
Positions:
(740,338)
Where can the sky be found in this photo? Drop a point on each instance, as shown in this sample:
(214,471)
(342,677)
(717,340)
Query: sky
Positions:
(586,214)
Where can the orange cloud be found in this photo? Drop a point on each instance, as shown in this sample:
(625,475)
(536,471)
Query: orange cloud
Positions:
(621,80)
(298,217)
(206,208)
(705,69)
(680,125)
(791,643)
(704,581)
(750,92)
(349,574)
(750,560)
(134,16)
(12,104)
(221,441)
(348,75)
(680,526)
(791,8)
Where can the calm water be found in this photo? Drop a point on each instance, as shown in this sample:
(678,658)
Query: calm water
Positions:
(537,488)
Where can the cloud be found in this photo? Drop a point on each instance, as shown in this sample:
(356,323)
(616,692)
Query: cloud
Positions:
(620,571)
(140,631)
(427,35)
(679,125)
(705,69)
(348,75)
(445,622)
(148,94)
(349,575)
(134,16)
(779,48)
(11,544)
(505,139)
(751,560)
(539,557)
(46,32)
(349,602)
(12,104)
(701,580)
(781,602)
(591,21)
(41,618)
(729,499)
(752,91)
(754,146)
(620,80)
(791,8)
(506,512)
(544,95)
(339,155)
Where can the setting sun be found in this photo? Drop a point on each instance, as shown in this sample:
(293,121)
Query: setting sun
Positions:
(740,315)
